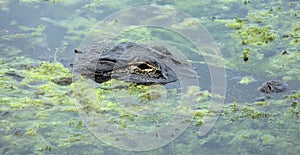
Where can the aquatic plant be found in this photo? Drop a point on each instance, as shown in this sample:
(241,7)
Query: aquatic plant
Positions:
(38,112)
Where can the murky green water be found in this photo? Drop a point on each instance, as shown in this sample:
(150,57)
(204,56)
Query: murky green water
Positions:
(41,114)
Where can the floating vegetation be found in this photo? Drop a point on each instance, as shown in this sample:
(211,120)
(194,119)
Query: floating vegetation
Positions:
(38,113)
(256,35)
(3,6)
(29,32)
(247,79)
(261,35)
(52,108)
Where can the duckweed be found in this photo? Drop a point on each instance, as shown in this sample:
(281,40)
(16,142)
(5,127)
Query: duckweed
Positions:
(29,95)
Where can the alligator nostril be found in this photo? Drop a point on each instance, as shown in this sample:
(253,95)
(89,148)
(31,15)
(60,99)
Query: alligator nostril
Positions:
(270,89)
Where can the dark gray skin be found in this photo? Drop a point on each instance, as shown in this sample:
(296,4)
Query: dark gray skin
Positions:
(131,62)
(273,86)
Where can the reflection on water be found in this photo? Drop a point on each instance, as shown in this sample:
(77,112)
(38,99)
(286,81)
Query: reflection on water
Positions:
(39,116)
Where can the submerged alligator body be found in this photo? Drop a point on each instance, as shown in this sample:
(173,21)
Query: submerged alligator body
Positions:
(132,62)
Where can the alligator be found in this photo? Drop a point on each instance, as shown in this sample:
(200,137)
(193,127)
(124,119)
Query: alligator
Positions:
(131,62)
(273,86)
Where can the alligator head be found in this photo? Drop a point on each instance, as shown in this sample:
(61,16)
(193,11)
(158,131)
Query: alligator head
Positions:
(133,62)
(130,62)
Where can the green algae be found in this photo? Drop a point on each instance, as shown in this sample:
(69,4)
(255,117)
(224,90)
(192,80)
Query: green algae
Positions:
(3,6)
(75,31)
(33,38)
(51,104)
(256,35)
(284,65)
(246,80)
(47,71)
(10,50)
(51,124)
(64,2)
(254,127)
(261,36)
(34,82)
(28,32)
(296,95)
(151,102)
(54,109)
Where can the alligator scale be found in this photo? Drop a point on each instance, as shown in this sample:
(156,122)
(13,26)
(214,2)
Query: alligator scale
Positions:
(131,62)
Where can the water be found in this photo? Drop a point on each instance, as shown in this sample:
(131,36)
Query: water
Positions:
(38,116)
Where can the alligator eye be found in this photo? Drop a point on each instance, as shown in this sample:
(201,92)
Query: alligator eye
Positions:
(146,67)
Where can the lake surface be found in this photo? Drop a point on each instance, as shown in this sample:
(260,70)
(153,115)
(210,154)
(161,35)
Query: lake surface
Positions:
(232,46)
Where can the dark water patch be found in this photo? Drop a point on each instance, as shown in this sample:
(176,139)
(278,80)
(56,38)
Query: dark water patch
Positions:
(31,12)
(4,113)
(63,81)
(55,35)
(15,75)
(204,76)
